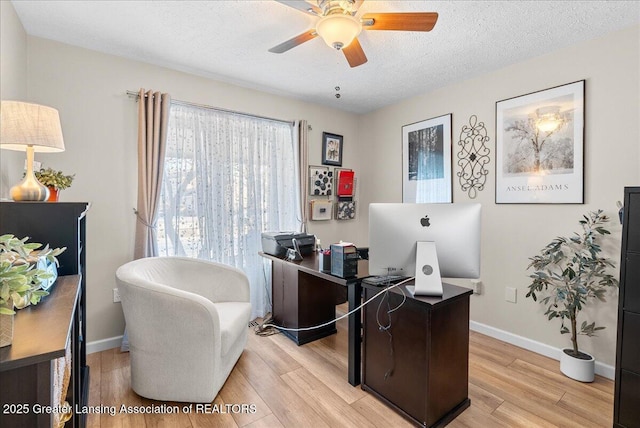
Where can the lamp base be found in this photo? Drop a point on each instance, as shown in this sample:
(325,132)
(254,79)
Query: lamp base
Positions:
(29,190)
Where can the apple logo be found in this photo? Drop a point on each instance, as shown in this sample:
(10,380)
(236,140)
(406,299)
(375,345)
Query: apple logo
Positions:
(424,221)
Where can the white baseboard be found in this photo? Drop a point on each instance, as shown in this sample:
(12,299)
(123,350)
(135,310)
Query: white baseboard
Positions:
(601,369)
(104,344)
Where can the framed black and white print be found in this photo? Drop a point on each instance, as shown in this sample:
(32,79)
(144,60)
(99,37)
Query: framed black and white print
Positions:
(331,149)
(540,147)
(426,161)
(320,181)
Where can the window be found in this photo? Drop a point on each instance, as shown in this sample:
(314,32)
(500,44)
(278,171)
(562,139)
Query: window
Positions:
(227,179)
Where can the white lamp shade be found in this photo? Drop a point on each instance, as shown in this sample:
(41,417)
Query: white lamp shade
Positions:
(338,31)
(25,124)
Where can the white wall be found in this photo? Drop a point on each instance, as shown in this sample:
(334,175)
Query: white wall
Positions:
(513,233)
(13,86)
(100,128)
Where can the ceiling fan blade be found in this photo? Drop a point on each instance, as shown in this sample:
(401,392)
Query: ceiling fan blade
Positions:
(303,6)
(410,21)
(354,54)
(292,43)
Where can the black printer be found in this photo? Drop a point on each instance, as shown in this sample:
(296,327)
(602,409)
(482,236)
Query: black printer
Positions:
(277,243)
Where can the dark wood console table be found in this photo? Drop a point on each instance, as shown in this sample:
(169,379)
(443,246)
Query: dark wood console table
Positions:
(418,363)
(303,296)
(42,333)
(59,224)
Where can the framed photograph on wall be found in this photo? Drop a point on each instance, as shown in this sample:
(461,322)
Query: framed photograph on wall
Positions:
(426,161)
(540,147)
(331,149)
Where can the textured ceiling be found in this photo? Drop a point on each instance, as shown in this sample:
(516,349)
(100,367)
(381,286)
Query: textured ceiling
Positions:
(229,41)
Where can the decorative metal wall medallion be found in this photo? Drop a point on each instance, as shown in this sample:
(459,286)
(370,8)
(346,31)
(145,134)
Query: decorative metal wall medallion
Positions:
(473,156)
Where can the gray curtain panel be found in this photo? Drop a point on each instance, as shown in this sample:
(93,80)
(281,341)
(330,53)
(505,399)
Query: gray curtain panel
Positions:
(303,166)
(153,118)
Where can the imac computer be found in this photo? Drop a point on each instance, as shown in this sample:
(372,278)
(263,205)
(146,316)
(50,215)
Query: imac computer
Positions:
(443,238)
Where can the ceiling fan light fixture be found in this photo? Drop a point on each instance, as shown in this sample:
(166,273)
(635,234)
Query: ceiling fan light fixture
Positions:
(338,31)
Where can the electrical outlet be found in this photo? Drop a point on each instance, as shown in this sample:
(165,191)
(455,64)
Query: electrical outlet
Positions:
(116,295)
(476,286)
(510,294)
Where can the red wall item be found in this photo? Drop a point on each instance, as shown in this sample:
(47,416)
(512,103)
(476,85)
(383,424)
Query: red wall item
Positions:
(345,183)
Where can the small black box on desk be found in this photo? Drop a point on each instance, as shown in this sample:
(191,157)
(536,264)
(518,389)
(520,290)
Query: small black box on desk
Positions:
(344,260)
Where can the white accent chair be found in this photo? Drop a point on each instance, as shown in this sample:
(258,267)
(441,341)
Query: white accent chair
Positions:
(187,325)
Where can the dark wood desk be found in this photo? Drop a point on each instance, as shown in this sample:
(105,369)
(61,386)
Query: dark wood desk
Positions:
(302,296)
(418,363)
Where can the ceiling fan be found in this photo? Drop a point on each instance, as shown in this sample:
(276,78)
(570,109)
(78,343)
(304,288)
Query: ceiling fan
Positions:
(339,27)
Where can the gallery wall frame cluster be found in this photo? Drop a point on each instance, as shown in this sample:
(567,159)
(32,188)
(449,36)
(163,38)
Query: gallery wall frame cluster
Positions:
(539,151)
(330,183)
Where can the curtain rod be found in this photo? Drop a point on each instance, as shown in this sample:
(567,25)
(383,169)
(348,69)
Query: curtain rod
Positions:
(136,95)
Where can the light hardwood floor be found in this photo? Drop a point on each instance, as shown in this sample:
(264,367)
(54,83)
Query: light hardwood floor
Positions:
(306,386)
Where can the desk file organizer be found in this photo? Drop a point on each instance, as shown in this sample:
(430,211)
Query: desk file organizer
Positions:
(344,260)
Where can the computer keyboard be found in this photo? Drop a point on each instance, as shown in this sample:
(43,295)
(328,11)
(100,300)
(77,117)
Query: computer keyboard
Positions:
(384,280)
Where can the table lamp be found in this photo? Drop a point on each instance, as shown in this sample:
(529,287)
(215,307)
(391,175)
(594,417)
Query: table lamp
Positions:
(31,128)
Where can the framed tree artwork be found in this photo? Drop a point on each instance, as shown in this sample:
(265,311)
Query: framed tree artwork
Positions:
(331,149)
(539,147)
(426,161)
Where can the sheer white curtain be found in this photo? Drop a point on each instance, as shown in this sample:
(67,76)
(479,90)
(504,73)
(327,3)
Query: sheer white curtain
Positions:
(227,179)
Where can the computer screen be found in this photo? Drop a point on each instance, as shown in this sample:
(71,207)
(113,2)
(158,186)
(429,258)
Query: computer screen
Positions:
(396,228)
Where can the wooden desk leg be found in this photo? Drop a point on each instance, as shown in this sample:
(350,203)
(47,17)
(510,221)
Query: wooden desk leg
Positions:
(354,296)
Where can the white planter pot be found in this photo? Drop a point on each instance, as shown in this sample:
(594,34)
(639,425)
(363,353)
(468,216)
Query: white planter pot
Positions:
(576,368)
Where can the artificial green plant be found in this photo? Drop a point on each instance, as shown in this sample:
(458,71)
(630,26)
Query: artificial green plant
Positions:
(52,178)
(571,272)
(20,280)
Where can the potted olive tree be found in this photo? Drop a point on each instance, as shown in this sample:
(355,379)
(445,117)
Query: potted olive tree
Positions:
(569,273)
(55,181)
(20,280)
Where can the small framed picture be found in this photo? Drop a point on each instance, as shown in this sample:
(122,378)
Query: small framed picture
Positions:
(331,149)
